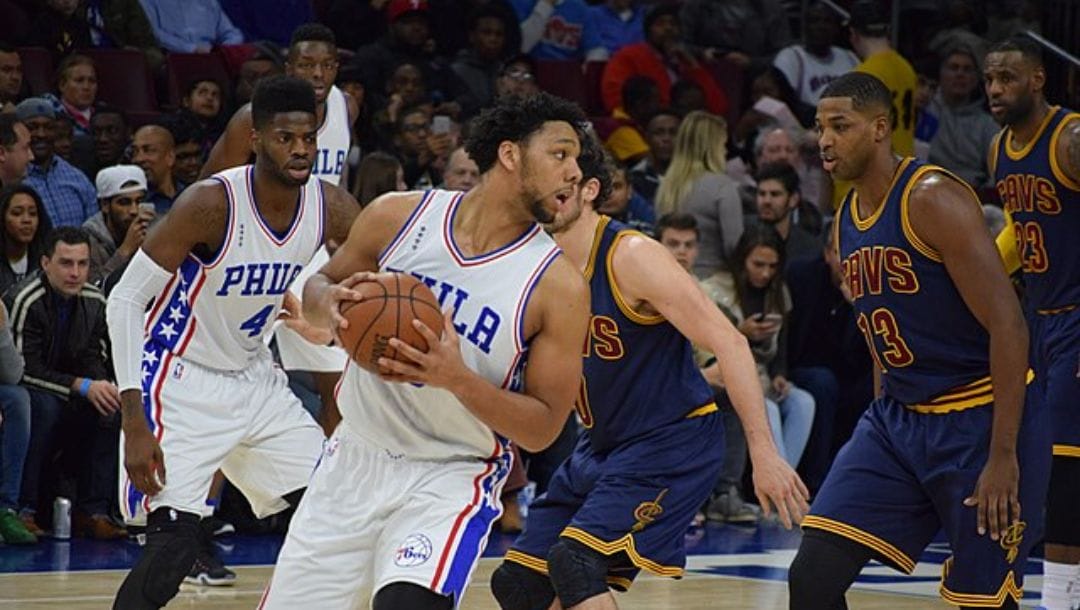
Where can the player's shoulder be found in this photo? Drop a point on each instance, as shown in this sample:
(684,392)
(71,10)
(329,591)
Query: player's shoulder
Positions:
(395,207)
(204,202)
(241,119)
(631,250)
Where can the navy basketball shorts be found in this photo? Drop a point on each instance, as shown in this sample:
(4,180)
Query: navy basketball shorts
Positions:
(632,504)
(1055,355)
(904,475)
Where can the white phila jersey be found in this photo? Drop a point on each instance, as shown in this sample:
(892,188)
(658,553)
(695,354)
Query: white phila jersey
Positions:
(488,295)
(333,139)
(216,312)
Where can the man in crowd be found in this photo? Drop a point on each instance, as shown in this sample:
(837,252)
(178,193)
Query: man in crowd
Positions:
(68,195)
(118,230)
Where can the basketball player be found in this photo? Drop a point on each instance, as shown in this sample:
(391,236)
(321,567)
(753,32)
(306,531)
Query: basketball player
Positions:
(198,388)
(948,443)
(402,502)
(313,56)
(653,444)
(1036,167)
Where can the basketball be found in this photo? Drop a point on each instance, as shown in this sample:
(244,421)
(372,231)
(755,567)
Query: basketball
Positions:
(390,303)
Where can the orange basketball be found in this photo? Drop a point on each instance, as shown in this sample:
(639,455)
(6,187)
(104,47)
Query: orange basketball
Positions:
(391,302)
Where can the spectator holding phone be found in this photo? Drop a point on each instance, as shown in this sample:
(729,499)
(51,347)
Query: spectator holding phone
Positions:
(754,297)
(117,231)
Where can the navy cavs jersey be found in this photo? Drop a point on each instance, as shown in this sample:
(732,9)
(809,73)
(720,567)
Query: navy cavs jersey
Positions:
(1044,204)
(930,348)
(639,371)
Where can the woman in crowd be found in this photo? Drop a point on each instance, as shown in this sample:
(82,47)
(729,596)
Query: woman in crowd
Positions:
(379,173)
(77,86)
(23,237)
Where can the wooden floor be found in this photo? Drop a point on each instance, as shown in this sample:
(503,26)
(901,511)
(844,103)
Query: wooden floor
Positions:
(94,589)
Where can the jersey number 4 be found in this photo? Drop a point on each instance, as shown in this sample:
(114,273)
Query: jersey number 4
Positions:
(254,325)
(882,325)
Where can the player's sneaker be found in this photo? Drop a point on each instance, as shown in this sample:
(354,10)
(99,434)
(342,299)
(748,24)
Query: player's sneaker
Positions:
(13,530)
(209,571)
(729,507)
(218,526)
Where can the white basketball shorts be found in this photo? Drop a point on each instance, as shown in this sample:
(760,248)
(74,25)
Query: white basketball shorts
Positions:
(371,518)
(247,423)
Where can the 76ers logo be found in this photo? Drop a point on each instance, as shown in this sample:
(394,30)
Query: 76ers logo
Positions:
(415,550)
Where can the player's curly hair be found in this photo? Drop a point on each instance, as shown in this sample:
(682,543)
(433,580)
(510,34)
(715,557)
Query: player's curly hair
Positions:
(515,119)
(312,32)
(595,162)
(280,94)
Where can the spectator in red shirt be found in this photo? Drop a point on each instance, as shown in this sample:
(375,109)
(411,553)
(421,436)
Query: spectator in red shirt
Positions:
(662,53)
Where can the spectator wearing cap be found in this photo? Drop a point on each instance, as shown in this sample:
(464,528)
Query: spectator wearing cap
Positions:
(408,40)
(118,230)
(555,29)
(617,23)
(11,77)
(15,153)
(661,55)
(154,150)
(68,194)
(964,127)
(191,26)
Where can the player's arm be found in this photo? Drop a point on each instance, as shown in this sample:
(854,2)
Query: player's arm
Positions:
(233,148)
(196,219)
(673,293)
(356,258)
(535,418)
(946,216)
(1068,150)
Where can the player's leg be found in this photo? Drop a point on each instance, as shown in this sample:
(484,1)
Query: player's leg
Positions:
(579,575)
(408,595)
(824,569)
(1058,339)
(517,587)
(870,506)
(190,412)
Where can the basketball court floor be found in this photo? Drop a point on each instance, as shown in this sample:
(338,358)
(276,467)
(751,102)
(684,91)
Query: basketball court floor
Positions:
(729,567)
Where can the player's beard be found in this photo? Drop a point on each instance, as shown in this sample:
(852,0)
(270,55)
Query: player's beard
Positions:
(1017,112)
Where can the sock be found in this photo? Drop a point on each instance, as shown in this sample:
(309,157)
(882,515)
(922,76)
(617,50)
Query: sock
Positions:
(1058,579)
(1074,589)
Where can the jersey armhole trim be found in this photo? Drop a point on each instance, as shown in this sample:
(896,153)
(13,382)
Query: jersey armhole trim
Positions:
(1017,155)
(1055,167)
(230,223)
(620,301)
(405,228)
(905,209)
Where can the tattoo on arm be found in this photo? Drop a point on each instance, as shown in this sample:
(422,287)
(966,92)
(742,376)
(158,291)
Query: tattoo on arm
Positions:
(1072,150)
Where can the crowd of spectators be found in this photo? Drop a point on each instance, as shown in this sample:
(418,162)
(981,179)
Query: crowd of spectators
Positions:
(706,106)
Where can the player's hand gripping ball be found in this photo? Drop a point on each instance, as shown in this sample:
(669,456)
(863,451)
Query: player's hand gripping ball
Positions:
(391,301)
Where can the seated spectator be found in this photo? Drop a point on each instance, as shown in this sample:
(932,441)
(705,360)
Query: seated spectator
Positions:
(661,55)
(111,134)
(617,23)
(517,77)
(816,62)
(461,173)
(59,322)
(926,124)
(117,231)
(153,149)
(624,205)
(406,88)
(23,237)
(122,24)
(660,131)
(422,152)
(14,437)
(555,29)
(188,148)
(76,79)
(11,77)
(203,101)
(774,144)
(192,26)
(450,24)
(63,139)
(777,200)
(478,64)
(59,27)
(744,32)
(964,126)
(827,357)
(640,100)
(379,173)
(68,194)
(754,297)
(695,183)
(15,152)
(686,97)
(679,234)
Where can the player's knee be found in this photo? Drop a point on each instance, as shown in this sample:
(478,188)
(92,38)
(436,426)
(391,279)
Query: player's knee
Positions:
(824,567)
(398,595)
(1062,526)
(577,572)
(516,587)
(172,541)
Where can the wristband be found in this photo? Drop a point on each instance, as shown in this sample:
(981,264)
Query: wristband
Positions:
(84,387)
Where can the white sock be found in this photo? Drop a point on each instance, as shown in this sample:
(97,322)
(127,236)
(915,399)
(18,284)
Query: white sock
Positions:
(1074,589)
(1058,579)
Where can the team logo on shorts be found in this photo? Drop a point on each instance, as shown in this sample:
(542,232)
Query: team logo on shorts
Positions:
(1011,539)
(414,551)
(647,512)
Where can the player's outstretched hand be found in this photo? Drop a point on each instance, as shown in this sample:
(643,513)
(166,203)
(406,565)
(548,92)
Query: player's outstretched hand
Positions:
(340,293)
(440,366)
(777,486)
(143,460)
(996,496)
(293,318)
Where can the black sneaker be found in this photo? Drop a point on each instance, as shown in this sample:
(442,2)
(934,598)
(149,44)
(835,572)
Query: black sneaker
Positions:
(217,526)
(209,571)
